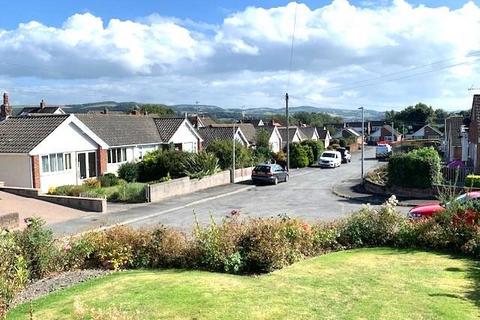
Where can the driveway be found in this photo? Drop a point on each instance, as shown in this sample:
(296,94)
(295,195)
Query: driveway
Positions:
(307,195)
(28,207)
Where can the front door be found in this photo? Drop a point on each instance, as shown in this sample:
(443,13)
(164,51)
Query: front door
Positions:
(87,165)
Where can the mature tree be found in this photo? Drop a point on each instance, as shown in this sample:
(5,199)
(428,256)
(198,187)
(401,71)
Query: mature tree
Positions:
(262,138)
(157,109)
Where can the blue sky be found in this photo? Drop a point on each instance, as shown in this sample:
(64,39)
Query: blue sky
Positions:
(377,53)
(54,12)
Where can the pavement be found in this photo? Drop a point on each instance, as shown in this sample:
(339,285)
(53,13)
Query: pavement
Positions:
(353,190)
(307,195)
(28,207)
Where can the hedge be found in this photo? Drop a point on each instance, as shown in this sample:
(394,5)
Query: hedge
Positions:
(419,168)
(472,181)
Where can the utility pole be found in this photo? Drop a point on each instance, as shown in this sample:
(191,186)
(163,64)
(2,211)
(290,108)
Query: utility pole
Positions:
(393,132)
(363,137)
(288,131)
(233,154)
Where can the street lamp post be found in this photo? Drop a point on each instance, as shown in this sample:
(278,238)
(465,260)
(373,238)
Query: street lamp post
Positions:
(288,131)
(363,136)
(233,154)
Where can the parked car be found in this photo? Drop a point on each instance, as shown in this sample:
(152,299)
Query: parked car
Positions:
(383,151)
(346,155)
(269,173)
(430,209)
(330,159)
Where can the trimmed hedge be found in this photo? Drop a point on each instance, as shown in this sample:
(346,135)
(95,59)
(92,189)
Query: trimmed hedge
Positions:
(472,181)
(419,168)
(300,155)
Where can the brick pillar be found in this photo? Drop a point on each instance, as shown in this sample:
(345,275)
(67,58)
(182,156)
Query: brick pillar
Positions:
(35,172)
(102,159)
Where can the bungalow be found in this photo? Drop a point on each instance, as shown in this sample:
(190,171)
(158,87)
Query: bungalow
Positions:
(385,133)
(324,135)
(454,134)
(247,129)
(294,135)
(275,141)
(49,150)
(226,133)
(130,137)
(357,126)
(310,133)
(42,109)
(426,132)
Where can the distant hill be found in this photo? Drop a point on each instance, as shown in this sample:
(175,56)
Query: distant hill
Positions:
(224,113)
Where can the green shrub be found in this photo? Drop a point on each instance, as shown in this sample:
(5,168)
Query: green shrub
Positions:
(299,155)
(92,183)
(223,150)
(280,158)
(38,248)
(69,190)
(472,181)
(128,192)
(160,163)
(418,169)
(108,180)
(316,148)
(13,270)
(129,171)
(262,155)
(199,165)
(169,248)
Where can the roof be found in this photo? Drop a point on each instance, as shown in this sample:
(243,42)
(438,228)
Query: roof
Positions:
(248,130)
(430,127)
(255,122)
(122,130)
(283,133)
(36,110)
(309,132)
(211,133)
(322,133)
(167,127)
(22,134)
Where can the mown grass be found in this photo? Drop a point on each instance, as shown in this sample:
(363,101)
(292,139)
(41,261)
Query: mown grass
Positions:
(358,284)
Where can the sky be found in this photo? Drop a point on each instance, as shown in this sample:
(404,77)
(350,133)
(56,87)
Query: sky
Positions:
(380,54)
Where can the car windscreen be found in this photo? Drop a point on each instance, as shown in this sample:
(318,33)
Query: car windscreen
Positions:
(263,169)
(328,155)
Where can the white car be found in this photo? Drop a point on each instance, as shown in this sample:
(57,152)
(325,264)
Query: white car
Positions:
(330,159)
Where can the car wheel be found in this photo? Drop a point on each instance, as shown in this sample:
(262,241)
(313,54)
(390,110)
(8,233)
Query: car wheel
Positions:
(275,181)
(286,178)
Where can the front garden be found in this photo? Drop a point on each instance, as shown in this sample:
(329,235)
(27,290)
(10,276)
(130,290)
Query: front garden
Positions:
(377,283)
(389,280)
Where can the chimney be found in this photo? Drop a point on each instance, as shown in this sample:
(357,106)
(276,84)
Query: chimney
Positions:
(42,104)
(5,109)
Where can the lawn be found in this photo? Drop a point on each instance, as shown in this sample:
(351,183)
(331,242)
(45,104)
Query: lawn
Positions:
(358,284)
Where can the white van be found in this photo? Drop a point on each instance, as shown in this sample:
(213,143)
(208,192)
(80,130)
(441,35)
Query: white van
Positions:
(330,159)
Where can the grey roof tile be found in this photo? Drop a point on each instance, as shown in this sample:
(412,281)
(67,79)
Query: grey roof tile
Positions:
(167,127)
(122,130)
(22,134)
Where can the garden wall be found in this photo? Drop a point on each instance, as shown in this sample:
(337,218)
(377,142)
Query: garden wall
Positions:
(164,190)
(85,204)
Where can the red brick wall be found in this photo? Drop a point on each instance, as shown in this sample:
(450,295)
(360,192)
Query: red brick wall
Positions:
(102,159)
(35,172)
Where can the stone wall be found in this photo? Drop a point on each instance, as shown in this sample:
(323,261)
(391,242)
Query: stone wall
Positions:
(164,190)
(84,204)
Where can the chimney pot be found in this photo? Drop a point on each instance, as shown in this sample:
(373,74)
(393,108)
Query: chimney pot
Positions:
(42,104)
(5,109)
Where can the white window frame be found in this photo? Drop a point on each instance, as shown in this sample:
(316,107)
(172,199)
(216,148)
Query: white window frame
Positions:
(113,154)
(51,162)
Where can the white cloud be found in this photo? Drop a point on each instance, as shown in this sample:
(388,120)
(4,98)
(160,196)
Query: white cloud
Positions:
(245,59)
